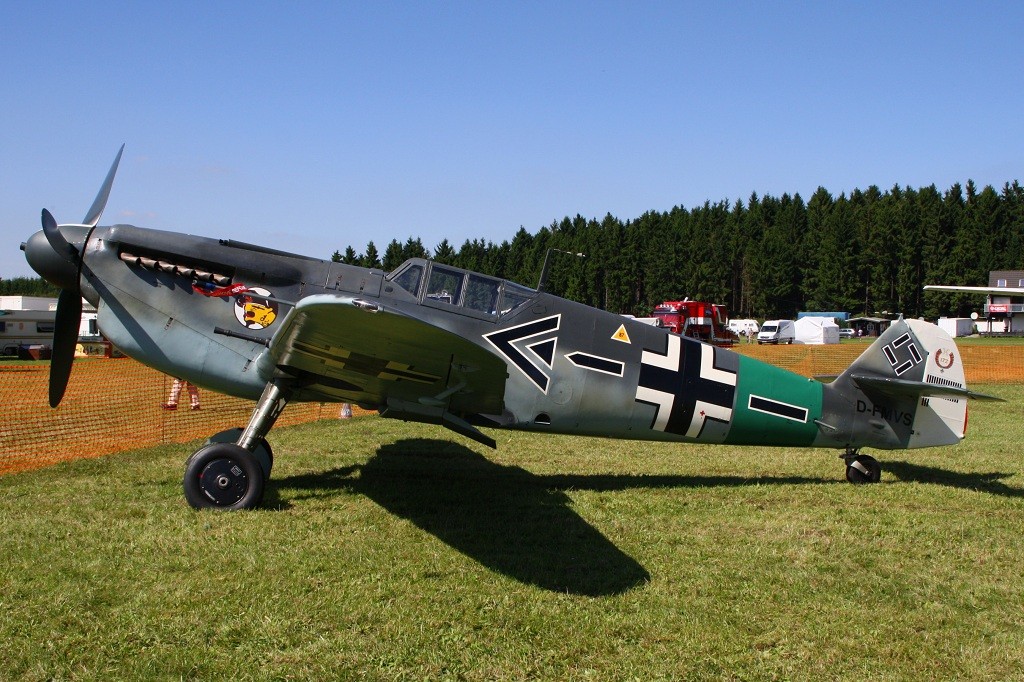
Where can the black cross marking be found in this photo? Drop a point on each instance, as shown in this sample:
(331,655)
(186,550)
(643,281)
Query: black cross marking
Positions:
(688,384)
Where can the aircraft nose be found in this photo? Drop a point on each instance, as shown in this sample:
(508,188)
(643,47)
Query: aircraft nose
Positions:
(50,265)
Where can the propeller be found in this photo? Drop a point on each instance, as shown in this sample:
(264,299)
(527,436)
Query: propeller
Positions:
(59,259)
(61,246)
(100,202)
(65,338)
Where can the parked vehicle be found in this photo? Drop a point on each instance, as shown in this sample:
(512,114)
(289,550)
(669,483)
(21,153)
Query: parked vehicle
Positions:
(35,328)
(24,328)
(847,333)
(697,319)
(741,327)
(777,331)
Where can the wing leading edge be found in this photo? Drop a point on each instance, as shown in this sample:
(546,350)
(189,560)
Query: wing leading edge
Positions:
(995,291)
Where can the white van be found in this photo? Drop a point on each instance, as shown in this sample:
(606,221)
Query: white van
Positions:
(741,327)
(776,331)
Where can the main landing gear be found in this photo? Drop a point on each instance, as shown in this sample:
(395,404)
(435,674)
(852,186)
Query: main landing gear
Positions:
(861,468)
(231,470)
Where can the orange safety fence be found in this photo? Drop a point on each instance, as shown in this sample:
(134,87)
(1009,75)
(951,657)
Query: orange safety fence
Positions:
(983,364)
(112,405)
(115,404)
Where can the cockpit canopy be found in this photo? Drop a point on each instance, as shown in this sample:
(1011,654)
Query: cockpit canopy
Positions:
(445,286)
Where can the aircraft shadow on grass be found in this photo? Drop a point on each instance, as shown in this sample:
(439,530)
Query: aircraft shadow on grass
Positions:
(981,482)
(517,523)
(522,525)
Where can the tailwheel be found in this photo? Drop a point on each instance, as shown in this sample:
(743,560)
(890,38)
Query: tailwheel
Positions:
(262,451)
(862,469)
(223,476)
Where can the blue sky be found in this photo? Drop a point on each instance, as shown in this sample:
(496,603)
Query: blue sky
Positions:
(311,126)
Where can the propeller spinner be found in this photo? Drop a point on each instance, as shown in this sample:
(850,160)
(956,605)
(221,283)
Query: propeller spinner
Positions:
(55,252)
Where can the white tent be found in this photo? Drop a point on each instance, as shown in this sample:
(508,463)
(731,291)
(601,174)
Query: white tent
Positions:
(816,330)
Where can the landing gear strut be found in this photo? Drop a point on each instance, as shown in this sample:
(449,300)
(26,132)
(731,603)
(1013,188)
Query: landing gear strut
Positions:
(230,471)
(861,468)
(264,454)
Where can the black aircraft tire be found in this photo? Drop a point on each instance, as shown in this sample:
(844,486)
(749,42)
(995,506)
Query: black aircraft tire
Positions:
(223,476)
(266,457)
(874,470)
(263,451)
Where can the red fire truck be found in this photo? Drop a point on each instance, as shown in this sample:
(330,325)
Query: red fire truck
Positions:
(700,320)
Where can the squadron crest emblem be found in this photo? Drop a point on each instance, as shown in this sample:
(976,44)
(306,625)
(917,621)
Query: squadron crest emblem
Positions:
(254,309)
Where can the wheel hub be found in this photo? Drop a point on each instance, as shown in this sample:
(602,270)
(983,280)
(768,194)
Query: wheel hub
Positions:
(223,482)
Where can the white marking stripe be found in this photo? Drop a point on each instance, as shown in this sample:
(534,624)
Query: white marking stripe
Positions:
(668,361)
(708,370)
(702,411)
(664,402)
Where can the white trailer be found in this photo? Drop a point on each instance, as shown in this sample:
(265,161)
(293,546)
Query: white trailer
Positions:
(957,326)
(25,328)
(35,328)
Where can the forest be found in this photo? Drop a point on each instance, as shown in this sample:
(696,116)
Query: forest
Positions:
(867,253)
(28,286)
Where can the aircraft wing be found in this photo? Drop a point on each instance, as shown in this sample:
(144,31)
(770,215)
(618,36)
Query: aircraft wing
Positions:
(345,349)
(1005,291)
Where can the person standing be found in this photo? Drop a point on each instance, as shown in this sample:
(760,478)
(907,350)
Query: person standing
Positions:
(172,399)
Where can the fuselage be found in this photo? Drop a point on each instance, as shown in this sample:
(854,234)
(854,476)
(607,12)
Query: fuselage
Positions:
(206,310)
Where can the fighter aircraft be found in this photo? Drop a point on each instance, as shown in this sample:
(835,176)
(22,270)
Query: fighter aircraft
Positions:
(433,343)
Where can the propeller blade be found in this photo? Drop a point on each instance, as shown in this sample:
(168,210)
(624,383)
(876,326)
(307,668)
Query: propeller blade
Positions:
(58,243)
(100,203)
(65,337)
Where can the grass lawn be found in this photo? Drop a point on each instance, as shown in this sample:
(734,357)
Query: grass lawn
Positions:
(396,551)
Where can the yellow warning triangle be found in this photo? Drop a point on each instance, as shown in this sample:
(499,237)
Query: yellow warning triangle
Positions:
(621,335)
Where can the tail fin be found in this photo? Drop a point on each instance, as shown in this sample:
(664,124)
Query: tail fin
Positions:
(911,386)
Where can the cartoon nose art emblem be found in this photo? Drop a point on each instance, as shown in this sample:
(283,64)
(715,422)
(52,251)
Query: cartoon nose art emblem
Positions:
(254,310)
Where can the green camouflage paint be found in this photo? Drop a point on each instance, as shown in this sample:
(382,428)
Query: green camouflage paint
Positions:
(774,406)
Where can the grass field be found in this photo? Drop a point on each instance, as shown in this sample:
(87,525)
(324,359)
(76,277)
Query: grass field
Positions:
(400,552)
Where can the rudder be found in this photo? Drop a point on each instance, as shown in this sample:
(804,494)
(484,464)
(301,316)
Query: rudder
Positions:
(912,372)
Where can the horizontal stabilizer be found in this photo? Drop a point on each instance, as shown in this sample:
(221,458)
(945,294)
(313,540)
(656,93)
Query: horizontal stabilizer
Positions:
(906,387)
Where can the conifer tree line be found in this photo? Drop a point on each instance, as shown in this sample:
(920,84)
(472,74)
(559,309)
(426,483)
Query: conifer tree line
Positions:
(28,286)
(867,253)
